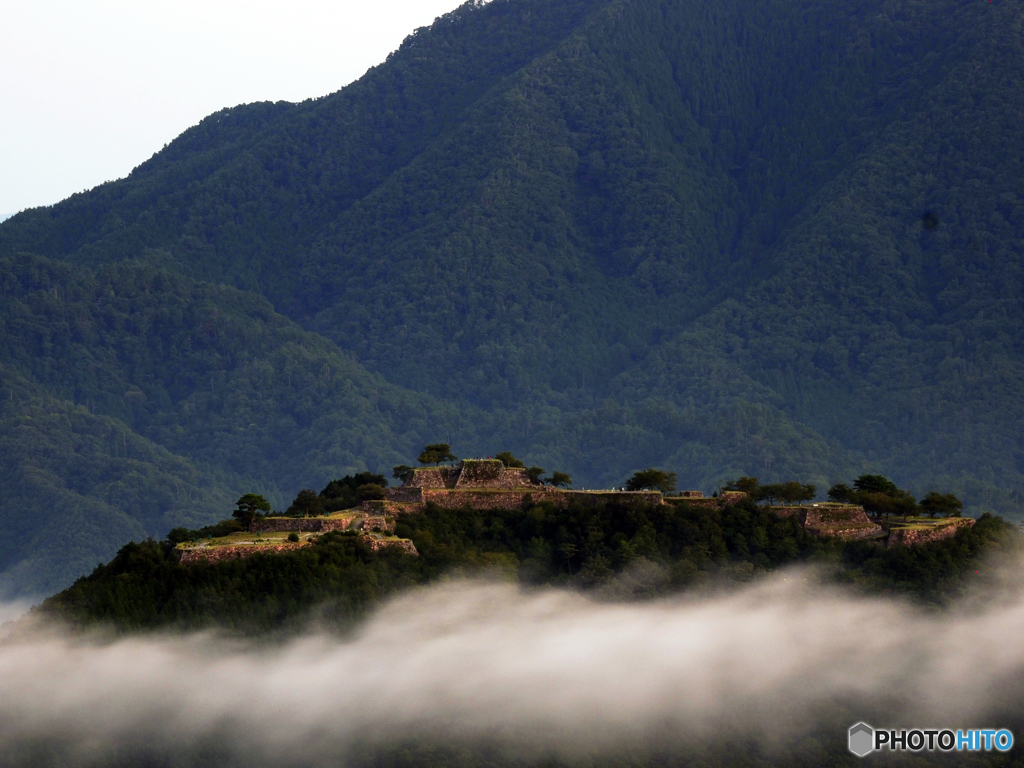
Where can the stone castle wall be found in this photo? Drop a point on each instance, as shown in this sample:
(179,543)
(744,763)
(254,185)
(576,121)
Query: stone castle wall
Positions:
(506,500)
(377,523)
(847,521)
(511,500)
(405,494)
(910,537)
(704,502)
(516,477)
(590,499)
(486,473)
(698,499)
(800,513)
(470,473)
(211,555)
(858,531)
(491,473)
(388,508)
(432,477)
(403,544)
(303,524)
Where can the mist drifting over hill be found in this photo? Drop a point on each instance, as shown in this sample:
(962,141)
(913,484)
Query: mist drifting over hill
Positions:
(532,674)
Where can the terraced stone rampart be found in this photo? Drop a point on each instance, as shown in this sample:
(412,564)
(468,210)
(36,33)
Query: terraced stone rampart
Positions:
(846,521)
(405,494)
(387,507)
(698,499)
(469,473)
(924,535)
(514,499)
(377,523)
(303,524)
(599,498)
(377,545)
(492,473)
(208,555)
(704,502)
(432,477)
(482,473)
(491,499)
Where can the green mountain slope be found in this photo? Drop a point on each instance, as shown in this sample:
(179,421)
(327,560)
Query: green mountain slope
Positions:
(137,400)
(78,484)
(207,371)
(892,318)
(726,237)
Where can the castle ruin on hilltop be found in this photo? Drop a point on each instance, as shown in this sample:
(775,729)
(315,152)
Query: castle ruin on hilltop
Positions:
(471,473)
(487,484)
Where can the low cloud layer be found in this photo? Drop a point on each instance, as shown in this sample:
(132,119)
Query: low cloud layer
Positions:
(548,671)
(10,612)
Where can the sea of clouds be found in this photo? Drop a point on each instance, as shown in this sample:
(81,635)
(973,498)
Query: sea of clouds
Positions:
(545,672)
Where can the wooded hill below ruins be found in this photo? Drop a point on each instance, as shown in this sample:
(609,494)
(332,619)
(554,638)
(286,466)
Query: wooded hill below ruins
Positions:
(261,571)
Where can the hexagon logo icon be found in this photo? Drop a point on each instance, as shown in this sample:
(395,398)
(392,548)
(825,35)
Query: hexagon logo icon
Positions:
(861,739)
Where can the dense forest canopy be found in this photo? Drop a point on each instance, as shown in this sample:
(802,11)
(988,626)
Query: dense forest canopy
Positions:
(614,551)
(720,237)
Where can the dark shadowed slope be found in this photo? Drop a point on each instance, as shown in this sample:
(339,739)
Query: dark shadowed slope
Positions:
(137,400)
(891,318)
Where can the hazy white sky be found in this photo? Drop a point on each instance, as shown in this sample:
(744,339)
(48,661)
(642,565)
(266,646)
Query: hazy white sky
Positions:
(91,88)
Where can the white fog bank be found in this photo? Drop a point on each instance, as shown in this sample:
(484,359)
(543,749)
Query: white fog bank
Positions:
(10,612)
(544,670)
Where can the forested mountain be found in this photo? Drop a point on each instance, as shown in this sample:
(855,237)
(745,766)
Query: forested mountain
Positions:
(137,400)
(725,237)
